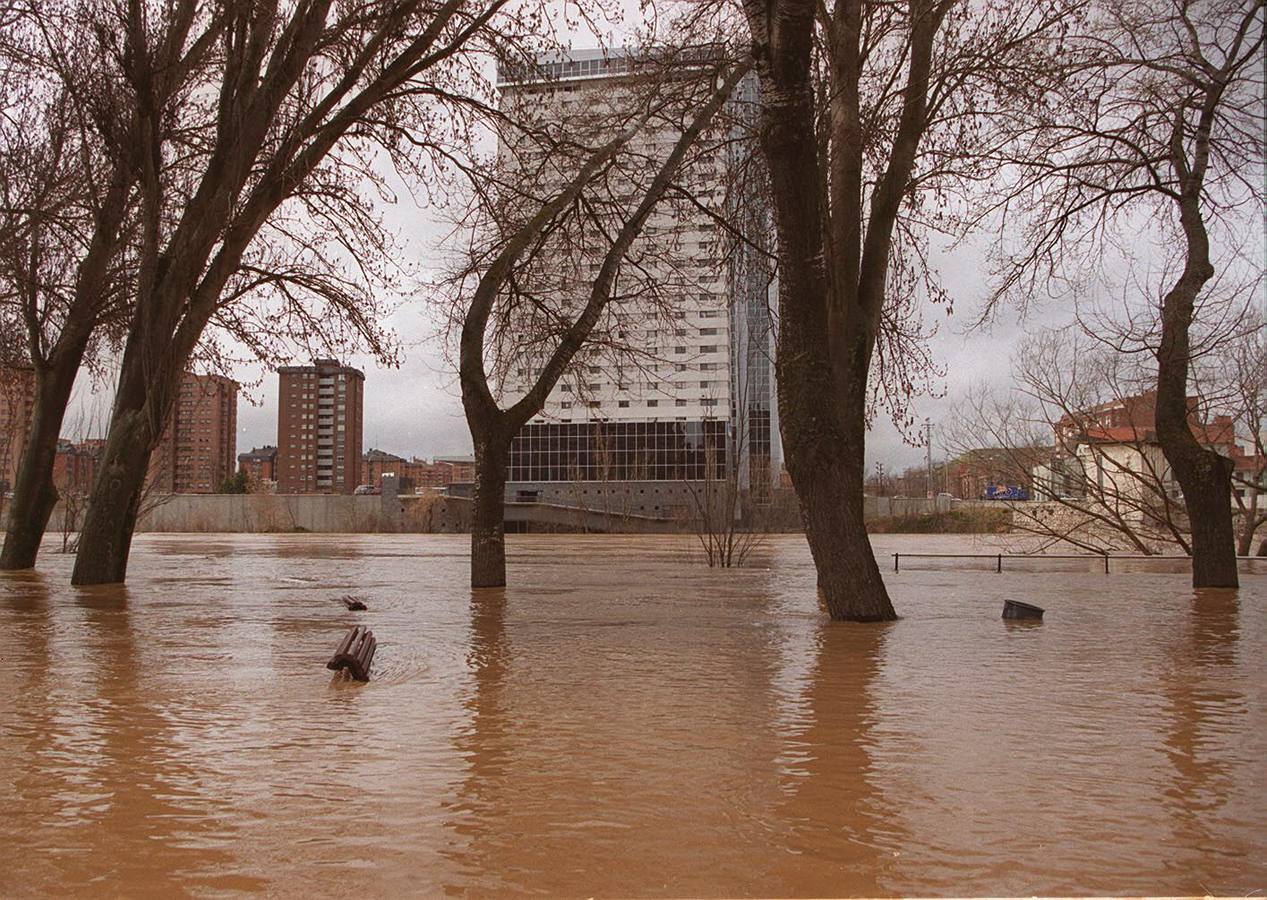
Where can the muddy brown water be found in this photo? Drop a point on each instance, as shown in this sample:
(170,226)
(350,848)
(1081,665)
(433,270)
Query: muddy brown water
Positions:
(624,721)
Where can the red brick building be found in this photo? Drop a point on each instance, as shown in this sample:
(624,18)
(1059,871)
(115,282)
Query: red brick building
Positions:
(198,450)
(455,469)
(17,402)
(1129,420)
(319,425)
(376,463)
(75,465)
(417,473)
(260,468)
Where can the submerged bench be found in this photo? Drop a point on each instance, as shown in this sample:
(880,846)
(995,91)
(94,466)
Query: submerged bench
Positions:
(1015,609)
(355,653)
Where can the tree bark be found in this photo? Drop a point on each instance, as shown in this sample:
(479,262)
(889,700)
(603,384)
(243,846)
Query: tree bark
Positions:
(1206,480)
(1204,475)
(825,451)
(1249,522)
(144,398)
(824,341)
(106,537)
(488,514)
(34,494)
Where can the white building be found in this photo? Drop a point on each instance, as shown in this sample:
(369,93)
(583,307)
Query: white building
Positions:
(695,397)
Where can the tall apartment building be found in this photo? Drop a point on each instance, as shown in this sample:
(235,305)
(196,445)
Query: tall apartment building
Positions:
(319,427)
(700,402)
(198,450)
(17,403)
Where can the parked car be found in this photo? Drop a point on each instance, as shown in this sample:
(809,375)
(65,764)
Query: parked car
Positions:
(367,489)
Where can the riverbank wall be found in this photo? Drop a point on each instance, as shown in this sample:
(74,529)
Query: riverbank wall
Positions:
(435,514)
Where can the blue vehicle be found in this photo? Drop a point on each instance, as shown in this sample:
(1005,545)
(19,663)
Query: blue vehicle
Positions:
(1005,492)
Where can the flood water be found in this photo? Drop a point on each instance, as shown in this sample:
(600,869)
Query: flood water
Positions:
(623,721)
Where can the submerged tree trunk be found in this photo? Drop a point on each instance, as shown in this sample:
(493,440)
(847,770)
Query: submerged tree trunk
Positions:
(488,513)
(1204,475)
(824,352)
(825,449)
(34,494)
(141,405)
(106,537)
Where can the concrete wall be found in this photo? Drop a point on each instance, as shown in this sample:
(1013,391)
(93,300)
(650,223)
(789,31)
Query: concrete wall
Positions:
(657,499)
(298,512)
(884,507)
(210,513)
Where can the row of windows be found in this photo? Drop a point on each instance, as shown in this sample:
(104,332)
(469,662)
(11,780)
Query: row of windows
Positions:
(619,451)
(569,388)
(624,386)
(626,404)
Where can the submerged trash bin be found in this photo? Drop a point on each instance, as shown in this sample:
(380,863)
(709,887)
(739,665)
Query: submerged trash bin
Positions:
(1015,609)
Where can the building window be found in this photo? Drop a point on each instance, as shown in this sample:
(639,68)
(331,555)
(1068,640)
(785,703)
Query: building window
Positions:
(619,451)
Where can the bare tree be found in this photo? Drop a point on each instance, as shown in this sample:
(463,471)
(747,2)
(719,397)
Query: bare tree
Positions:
(725,513)
(1105,487)
(596,216)
(66,197)
(1081,425)
(1240,371)
(291,109)
(871,112)
(1156,125)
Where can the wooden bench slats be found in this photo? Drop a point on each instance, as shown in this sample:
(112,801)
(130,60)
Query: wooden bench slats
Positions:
(355,653)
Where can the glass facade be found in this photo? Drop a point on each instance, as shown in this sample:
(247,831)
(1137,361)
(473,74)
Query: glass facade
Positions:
(619,451)
(752,324)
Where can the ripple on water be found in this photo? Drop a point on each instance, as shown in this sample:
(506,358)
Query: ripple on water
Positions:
(624,720)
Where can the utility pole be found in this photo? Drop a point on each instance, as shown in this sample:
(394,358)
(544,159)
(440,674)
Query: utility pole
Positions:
(928,451)
(879,476)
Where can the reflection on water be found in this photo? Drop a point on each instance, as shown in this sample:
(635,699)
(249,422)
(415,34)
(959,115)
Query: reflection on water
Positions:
(623,720)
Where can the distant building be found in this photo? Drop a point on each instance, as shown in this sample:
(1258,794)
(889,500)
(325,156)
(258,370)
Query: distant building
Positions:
(198,449)
(75,465)
(1113,448)
(260,468)
(319,425)
(1250,472)
(699,403)
(454,469)
(17,403)
(376,463)
(987,472)
(417,473)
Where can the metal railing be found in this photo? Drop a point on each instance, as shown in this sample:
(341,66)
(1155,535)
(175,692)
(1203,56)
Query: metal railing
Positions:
(999,557)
